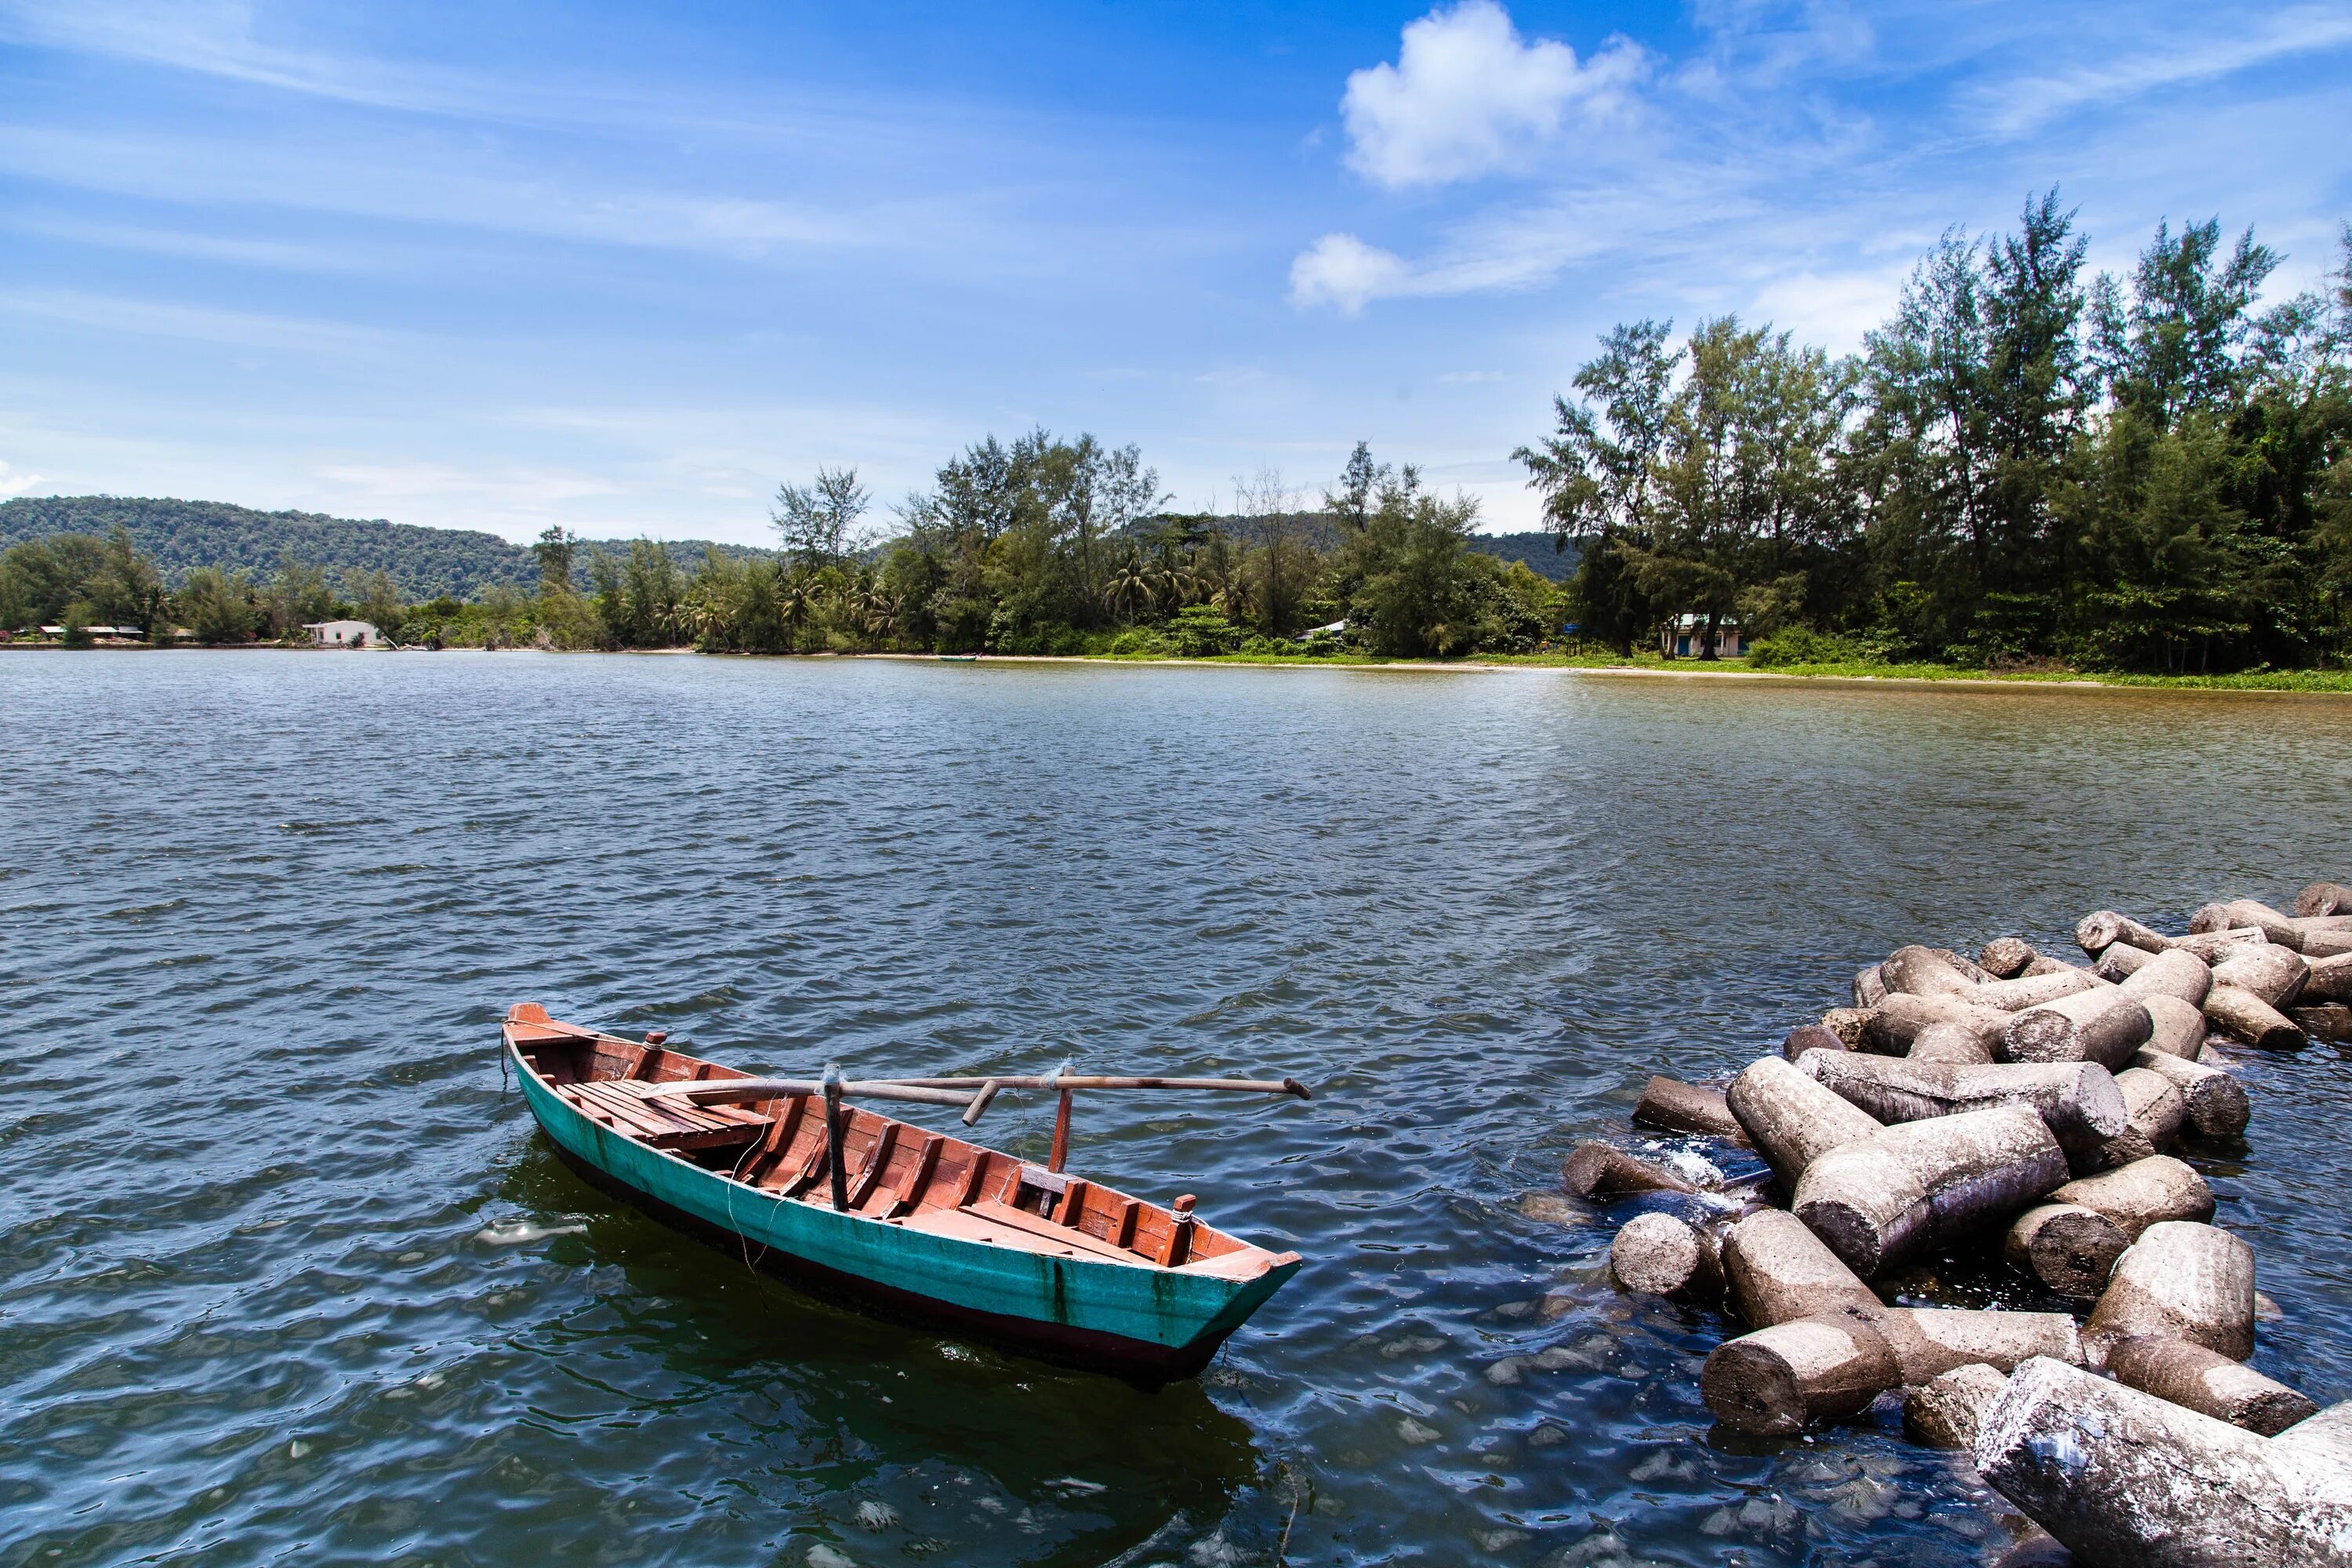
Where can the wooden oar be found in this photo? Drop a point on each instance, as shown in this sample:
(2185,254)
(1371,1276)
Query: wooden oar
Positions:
(1077,1080)
(1065,1084)
(742,1090)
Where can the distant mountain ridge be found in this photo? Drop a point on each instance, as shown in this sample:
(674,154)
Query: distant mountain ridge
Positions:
(179,535)
(1542,552)
(1320,531)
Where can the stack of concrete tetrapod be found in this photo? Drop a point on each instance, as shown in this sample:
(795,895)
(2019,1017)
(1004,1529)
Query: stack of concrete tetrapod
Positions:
(2023,1103)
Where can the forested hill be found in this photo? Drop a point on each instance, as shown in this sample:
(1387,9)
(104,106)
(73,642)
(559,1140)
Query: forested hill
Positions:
(179,534)
(1541,552)
(1319,532)
(425,562)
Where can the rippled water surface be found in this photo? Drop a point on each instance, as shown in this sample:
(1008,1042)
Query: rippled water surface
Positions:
(285,1271)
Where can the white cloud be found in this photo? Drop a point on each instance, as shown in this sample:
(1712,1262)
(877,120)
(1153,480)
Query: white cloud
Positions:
(2025,105)
(1341,270)
(15,484)
(1468,96)
(1833,309)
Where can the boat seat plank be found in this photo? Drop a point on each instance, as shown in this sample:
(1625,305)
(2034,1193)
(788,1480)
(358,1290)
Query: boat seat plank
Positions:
(1049,1230)
(987,1221)
(624,1112)
(648,1093)
(659,1126)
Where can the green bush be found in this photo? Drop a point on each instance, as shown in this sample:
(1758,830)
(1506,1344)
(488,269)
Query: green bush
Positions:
(1137,642)
(1200,631)
(1803,645)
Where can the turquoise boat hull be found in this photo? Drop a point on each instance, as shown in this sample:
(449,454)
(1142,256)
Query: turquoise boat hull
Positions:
(1148,1324)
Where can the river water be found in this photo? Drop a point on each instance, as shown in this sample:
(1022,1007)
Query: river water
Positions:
(285,1271)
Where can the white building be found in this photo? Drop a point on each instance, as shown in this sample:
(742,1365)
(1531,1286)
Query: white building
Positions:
(344,634)
(1684,637)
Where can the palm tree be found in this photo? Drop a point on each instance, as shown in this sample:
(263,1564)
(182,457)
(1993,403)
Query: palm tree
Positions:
(876,611)
(794,601)
(1130,583)
(1177,583)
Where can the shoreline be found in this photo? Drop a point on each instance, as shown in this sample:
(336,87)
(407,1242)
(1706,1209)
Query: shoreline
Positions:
(2246,686)
(1978,682)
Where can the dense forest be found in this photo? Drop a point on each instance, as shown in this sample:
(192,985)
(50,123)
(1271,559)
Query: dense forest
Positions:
(179,536)
(1034,546)
(2023,467)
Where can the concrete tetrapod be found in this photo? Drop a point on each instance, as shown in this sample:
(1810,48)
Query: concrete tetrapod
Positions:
(1781,1379)
(2327,979)
(2322,899)
(2121,961)
(2157,1113)
(1658,1255)
(2122,1478)
(2097,931)
(1890,1027)
(1924,972)
(1779,1271)
(1777,1381)
(2079,1102)
(2242,1015)
(1945,1411)
(2174,974)
(1879,1199)
(2243,914)
(1602,1171)
(1820,1037)
(2216,1101)
(2142,1193)
(2212,946)
(2033,990)
(2180,1280)
(2005,957)
(2071,1249)
(1789,1119)
(1949,1043)
(1681,1106)
(2209,1382)
(2102,1026)
(2266,969)
(2175,1028)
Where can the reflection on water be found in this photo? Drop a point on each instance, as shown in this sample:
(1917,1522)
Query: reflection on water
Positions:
(284,1269)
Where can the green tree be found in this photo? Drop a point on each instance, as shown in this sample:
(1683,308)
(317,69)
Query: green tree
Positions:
(556,551)
(376,597)
(818,522)
(217,606)
(298,597)
(2173,347)
(1597,471)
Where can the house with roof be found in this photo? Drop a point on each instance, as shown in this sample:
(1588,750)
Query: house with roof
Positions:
(344,633)
(1684,637)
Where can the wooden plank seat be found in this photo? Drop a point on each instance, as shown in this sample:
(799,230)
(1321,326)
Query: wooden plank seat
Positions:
(1007,1225)
(989,1220)
(622,1106)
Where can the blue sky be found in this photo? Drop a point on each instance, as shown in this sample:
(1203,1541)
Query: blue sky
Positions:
(624,268)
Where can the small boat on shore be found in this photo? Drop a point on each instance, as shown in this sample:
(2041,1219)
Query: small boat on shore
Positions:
(880,1211)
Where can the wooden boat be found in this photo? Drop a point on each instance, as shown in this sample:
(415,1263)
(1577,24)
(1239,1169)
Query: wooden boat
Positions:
(919,1224)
